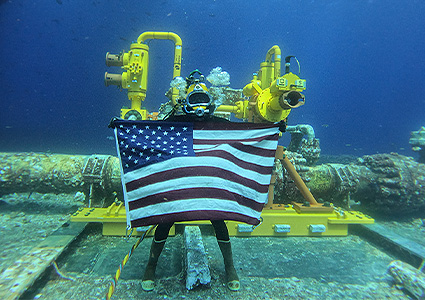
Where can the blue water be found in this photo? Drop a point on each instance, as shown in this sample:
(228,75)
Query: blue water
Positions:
(363,60)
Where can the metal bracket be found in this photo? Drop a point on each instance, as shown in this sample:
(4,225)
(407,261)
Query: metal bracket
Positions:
(94,173)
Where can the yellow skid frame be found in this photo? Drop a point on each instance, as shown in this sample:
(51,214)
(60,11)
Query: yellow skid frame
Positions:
(278,220)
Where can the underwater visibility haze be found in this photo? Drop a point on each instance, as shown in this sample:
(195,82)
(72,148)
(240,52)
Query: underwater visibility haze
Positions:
(363,62)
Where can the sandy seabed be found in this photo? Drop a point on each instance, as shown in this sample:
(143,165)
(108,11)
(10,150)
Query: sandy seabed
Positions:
(269,268)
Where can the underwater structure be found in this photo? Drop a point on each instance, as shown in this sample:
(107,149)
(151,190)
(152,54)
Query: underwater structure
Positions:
(382,183)
(417,141)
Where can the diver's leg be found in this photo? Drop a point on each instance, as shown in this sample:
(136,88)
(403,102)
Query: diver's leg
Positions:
(223,240)
(161,234)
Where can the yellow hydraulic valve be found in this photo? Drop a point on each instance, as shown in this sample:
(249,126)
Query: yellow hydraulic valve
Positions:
(134,78)
(273,96)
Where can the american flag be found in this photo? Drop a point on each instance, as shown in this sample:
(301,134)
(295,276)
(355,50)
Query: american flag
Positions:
(179,171)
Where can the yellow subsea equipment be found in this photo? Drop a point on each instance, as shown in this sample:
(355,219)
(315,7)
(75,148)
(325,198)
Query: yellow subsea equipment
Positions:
(271,96)
(134,78)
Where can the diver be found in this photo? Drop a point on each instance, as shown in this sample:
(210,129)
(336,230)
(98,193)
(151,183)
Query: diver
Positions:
(196,107)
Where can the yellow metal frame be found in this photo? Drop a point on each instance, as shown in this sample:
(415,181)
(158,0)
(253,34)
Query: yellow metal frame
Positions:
(266,92)
(334,221)
(298,219)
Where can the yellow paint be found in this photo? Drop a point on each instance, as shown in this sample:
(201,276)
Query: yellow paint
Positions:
(335,221)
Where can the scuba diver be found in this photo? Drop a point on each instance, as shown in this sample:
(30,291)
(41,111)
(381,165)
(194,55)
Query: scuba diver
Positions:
(197,107)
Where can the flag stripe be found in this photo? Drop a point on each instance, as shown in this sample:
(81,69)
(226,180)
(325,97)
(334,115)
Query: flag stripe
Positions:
(194,216)
(204,162)
(198,182)
(249,129)
(178,194)
(249,166)
(174,171)
(203,204)
(248,149)
(211,140)
(199,171)
(241,154)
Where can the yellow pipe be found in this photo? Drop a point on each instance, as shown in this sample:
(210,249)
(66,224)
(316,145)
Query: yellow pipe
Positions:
(136,103)
(240,109)
(228,108)
(177,51)
(275,50)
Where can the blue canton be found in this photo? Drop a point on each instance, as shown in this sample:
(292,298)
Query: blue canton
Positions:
(149,142)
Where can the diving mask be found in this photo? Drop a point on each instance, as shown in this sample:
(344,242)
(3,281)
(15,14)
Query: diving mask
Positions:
(198,99)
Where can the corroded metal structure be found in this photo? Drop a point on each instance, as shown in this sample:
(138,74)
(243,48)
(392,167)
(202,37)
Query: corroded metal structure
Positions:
(382,183)
(385,183)
(98,176)
(417,141)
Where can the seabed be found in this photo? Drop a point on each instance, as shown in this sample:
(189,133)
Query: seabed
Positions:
(350,267)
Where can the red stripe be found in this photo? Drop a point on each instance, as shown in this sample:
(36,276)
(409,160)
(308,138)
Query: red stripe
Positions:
(194,216)
(231,126)
(265,170)
(254,150)
(192,193)
(195,171)
(199,141)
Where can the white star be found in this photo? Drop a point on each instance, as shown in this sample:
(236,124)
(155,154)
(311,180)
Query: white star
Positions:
(165,132)
(165,142)
(172,151)
(138,144)
(127,130)
(140,131)
(130,157)
(159,154)
(184,139)
(153,132)
(146,136)
(152,150)
(135,161)
(152,142)
(159,127)
(178,133)
(147,126)
(126,146)
(141,154)
(145,147)
(184,128)
(147,158)
(134,136)
(172,128)
(121,126)
(133,150)
(158,138)
(172,138)
(134,126)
